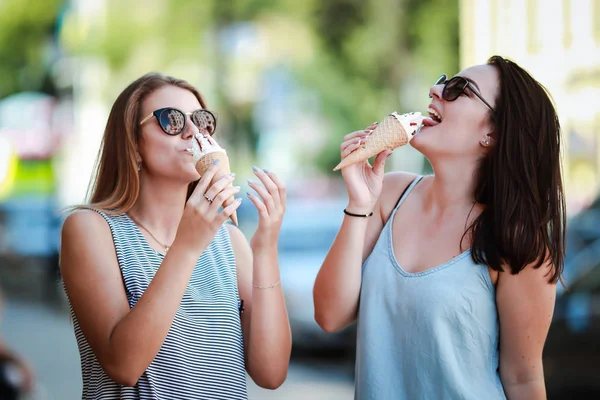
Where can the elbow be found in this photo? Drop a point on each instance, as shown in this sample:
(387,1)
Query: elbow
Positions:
(122,374)
(327,323)
(272,382)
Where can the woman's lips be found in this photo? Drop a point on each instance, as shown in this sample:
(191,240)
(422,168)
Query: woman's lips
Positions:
(428,121)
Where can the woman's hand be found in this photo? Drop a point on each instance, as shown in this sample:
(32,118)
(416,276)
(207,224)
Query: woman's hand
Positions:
(270,209)
(201,217)
(363,182)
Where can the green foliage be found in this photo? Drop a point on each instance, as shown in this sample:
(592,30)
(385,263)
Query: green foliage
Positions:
(367,57)
(26,29)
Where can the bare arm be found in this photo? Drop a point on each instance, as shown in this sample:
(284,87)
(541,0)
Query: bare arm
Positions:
(337,287)
(525,306)
(267,337)
(125,340)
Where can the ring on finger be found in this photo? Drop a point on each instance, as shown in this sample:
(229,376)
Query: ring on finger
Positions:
(208,198)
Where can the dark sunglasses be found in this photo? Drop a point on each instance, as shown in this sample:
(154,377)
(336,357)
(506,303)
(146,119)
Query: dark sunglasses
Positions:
(456,86)
(173,121)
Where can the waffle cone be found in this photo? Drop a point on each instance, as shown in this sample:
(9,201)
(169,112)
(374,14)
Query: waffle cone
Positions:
(388,134)
(206,161)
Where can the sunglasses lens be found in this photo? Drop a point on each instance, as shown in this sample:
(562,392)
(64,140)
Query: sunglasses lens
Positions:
(205,121)
(454,88)
(172,121)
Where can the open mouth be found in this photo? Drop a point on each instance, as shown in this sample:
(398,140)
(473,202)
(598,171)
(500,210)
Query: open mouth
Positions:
(433,119)
(434,115)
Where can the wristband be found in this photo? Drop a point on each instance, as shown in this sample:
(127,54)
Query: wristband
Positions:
(357,215)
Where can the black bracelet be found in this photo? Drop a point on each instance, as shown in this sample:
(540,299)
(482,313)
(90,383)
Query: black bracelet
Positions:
(357,215)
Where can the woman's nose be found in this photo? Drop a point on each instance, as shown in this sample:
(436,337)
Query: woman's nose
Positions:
(436,90)
(190,129)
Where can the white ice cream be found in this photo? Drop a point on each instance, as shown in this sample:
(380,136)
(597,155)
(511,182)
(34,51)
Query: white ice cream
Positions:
(203,145)
(411,122)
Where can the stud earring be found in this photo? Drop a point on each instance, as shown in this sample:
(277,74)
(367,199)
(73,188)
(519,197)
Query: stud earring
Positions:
(139,165)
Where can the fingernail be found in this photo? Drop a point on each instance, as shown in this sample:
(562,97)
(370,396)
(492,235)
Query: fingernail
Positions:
(255,169)
(216,161)
(248,194)
(266,171)
(232,174)
(237,187)
(239,199)
(250,182)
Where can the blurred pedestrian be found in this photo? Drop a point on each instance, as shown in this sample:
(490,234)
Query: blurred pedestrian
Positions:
(16,375)
(168,301)
(451,277)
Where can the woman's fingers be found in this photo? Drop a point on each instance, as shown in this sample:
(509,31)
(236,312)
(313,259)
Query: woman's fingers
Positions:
(204,182)
(229,210)
(280,187)
(358,134)
(266,197)
(262,209)
(351,147)
(219,185)
(268,183)
(223,195)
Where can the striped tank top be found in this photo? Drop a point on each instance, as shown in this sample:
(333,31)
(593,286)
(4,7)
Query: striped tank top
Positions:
(202,356)
(426,335)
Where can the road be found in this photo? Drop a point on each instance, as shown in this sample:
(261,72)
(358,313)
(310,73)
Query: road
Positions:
(44,336)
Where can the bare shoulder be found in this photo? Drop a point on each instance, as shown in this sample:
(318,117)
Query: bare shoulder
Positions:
(237,237)
(239,244)
(394,184)
(84,233)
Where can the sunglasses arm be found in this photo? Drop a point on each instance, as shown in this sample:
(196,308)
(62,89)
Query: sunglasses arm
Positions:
(147,118)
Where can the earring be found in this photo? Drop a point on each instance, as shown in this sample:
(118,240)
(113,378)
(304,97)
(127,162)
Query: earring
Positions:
(486,142)
(139,165)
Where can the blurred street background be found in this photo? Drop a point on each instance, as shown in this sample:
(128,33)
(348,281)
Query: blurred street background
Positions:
(288,79)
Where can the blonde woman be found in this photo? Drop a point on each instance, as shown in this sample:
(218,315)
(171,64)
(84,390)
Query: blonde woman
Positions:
(168,301)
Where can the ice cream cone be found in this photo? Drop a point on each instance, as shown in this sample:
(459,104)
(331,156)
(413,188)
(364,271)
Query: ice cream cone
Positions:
(394,131)
(205,161)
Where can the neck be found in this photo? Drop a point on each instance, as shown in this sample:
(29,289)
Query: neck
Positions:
(159,208)
(453,185)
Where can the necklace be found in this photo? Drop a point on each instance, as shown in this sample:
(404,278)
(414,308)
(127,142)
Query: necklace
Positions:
(167,247)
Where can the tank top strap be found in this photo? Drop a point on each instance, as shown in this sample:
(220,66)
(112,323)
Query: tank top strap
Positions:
(406,192)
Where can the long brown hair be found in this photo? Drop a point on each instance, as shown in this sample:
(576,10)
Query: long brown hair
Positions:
(519,181)
(115,183)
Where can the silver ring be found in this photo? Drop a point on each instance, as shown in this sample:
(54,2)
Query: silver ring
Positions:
(208,198)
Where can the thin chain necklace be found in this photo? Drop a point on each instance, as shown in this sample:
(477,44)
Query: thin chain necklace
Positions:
(167,247)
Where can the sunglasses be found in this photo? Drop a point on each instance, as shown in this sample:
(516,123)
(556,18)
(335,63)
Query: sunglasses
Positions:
(173,121)
(456,86)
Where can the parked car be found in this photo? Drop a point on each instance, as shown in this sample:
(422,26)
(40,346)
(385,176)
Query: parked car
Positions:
(572,350)
(307,233)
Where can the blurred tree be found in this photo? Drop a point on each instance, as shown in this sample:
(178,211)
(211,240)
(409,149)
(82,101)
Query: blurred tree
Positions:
(368,50)
(363,52)
(26,44)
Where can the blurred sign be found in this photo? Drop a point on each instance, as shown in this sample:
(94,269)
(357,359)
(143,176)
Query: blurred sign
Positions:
(8,166)
(27,120)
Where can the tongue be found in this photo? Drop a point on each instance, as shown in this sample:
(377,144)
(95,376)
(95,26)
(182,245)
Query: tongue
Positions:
(428,121)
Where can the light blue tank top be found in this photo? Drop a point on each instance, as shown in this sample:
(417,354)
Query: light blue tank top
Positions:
(427,335)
